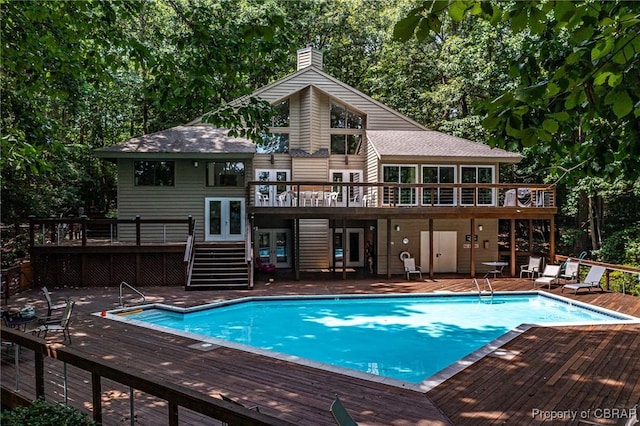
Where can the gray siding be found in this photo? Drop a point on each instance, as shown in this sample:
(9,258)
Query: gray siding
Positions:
(314,244)
(176,202)
(310,169)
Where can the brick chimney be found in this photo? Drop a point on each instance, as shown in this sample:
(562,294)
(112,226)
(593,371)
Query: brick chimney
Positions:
(309,57)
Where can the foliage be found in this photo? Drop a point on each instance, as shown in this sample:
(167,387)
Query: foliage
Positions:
(577,94)
(621,247)
(42,413)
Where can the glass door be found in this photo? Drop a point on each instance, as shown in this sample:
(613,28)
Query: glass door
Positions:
(351,193)
(274,246)
(267,194)
(349,250)
(224,219)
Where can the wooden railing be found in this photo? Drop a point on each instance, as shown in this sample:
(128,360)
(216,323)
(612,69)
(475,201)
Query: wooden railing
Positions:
(634,271)
(364,194)
(175,394)
(55,230)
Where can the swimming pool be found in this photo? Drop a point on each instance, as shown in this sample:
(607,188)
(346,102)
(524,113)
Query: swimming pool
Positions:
(404,338)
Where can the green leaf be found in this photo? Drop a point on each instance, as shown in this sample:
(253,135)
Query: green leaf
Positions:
(457,10)
(550,125)
(561,116)
(622,104)
(602,48)
(405,28)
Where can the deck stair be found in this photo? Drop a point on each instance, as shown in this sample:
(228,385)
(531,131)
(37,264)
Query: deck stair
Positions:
(219,265)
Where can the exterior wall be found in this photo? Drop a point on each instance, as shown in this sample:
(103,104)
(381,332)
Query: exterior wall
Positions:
(310,168)
(314,244)
(175,202)
(411,229)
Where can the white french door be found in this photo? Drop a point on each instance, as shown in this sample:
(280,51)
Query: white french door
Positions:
(224,219)
(274,246)
(351,193)
(349,249)
(267,195)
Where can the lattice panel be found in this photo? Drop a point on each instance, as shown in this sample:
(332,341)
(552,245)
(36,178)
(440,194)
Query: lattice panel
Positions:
(70,270)
(124,269)
(151,269)
(99,271)
(175,270)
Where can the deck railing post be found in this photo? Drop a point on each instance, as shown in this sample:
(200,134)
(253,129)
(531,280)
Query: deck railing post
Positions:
(137,229)
(173,414)
(83,229)
(39,370)
(190,219)
(96,393)
(32,232)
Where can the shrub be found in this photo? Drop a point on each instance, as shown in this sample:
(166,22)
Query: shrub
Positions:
(43,413)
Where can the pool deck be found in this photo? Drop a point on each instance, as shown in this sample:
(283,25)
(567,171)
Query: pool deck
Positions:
(577,370)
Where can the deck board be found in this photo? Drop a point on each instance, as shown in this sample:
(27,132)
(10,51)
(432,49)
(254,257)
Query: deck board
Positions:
(557,368)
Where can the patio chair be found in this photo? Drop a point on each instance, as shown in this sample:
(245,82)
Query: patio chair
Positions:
(263,199)
(61,325)
(293,197)
(550,274)
(233,401)
(591,280)
(570,271)
(340,414)
(282,199)
(410,267)
(532,268)
(50,306)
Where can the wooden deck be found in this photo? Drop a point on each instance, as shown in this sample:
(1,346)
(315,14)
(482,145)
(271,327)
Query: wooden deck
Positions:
(581,370)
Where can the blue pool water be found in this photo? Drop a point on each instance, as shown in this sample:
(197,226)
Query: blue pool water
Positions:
(405,338)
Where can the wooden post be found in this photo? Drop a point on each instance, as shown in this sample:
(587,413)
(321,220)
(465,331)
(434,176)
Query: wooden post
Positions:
(552,239)
(137,229)
(512,245)
(173,414)
(190,225)
(344,252)
(431,273)
(39,370)
(96,393)
(32,232)
(296,239)
(388,248)
(83,230)
(472,252)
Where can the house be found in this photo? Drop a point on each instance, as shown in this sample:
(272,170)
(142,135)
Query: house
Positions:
(340,179)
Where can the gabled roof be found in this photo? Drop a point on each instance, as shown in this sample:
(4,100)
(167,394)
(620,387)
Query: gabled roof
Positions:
(189,140)
(435,145)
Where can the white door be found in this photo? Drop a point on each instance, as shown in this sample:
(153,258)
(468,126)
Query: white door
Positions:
(445,257)
(224,219)
(349,249)
(274,247)
(351,193)
(268,194)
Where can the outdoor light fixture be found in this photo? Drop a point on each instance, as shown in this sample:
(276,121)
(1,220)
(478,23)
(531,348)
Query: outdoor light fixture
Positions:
(272,159)
(195,163)
(480,228)
(398,228)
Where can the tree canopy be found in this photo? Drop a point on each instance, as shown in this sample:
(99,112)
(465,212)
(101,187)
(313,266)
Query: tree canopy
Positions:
(576,99)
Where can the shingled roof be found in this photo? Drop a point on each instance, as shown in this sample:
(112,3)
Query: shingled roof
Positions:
(197,139)
(435,145)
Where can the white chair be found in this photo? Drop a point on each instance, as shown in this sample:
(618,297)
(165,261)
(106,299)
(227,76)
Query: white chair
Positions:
(294,198)
(550,274)
(410,267)
(332,199)
(532,268)
(282,199)
(262,199)
(591,280)
(570,271)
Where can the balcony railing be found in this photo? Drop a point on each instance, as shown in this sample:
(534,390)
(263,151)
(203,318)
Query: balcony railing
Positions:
(377,195)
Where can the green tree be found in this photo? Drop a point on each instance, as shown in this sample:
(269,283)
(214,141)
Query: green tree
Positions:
(577,96)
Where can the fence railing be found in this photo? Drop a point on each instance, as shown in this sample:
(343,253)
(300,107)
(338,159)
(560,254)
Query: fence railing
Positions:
(58,230)
(175,394)
(633,271)
(365,194)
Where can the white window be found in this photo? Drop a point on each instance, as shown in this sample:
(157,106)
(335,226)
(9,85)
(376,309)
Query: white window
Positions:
(400,174)
(478,175)
(438,196)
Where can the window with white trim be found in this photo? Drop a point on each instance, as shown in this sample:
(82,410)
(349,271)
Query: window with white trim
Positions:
(435,174)
(478,175)
(400,174)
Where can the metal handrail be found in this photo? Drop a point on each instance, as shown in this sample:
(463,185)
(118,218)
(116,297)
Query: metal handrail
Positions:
(122,284)
(486,283)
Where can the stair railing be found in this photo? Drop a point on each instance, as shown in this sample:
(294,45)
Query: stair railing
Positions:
(189,254)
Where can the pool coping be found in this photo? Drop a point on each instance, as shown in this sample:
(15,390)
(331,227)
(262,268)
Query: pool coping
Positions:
(423,387)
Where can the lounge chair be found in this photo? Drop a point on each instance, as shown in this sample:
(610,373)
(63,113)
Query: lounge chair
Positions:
(50,306)
(550,274)
(340,414)
(532,268)
(265,267)
(61,325)
(591,280)
(410,267)
(570,271)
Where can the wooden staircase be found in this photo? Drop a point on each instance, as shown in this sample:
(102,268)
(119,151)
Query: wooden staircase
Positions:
(219,265)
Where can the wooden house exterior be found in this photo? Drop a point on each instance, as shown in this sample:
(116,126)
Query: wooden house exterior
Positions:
(340,176)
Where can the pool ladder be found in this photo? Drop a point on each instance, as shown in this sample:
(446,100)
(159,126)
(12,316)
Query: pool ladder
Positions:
(120,294)
(483,291)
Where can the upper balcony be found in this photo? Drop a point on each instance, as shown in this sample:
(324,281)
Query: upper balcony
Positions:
(306,199)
